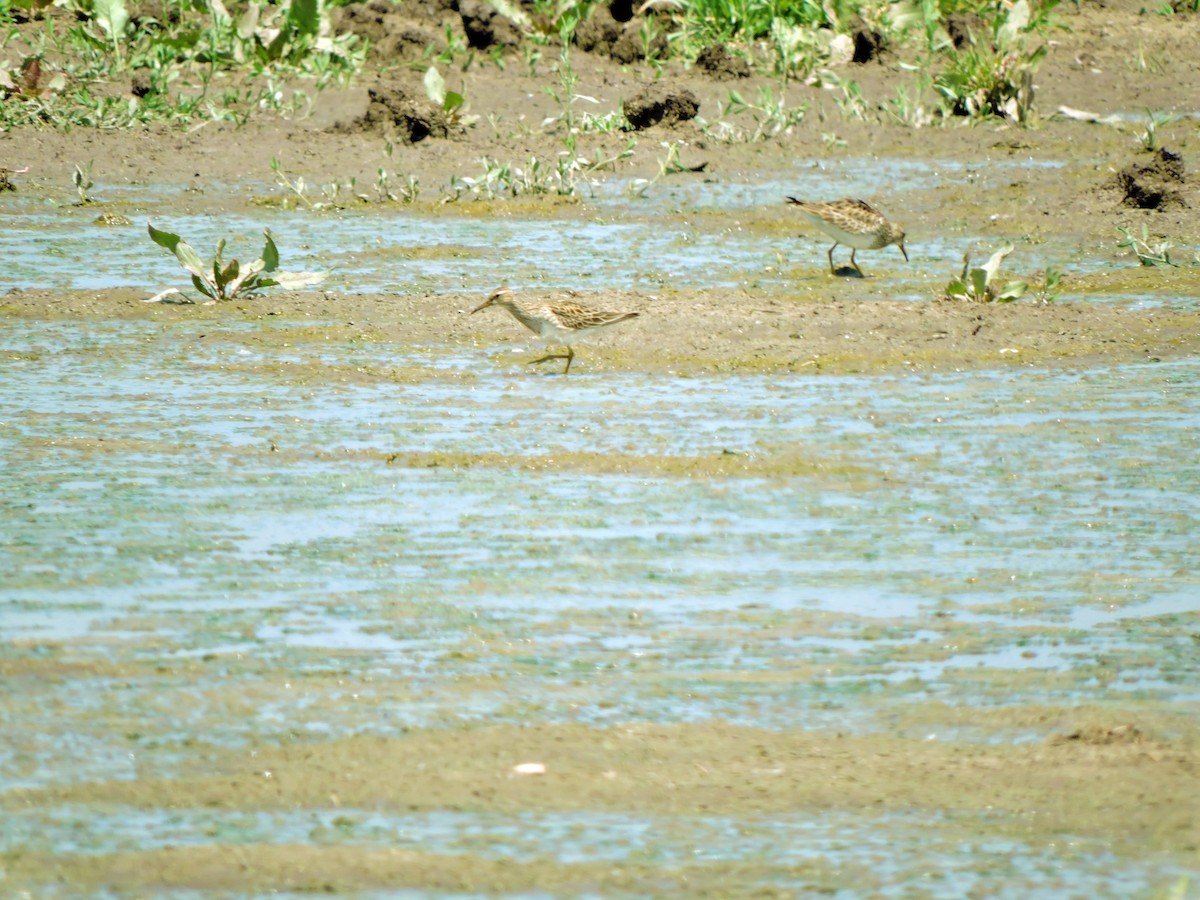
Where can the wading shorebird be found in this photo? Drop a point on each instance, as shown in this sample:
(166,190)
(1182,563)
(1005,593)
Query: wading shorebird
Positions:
(554,321)
(855,223)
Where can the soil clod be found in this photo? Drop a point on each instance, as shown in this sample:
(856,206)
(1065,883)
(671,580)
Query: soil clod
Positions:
(660,104)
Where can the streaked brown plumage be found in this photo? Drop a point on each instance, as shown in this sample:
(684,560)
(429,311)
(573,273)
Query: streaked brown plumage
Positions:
(855,223)
(554,321)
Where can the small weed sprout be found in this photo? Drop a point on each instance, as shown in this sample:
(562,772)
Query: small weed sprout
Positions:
(452,103)
(667,165)
(1154,121)
(771,116)
(909,110)
(82,179)
(1158,254)
(851,102)
(219,280)
(1051,288)
(296,189)
(976,284)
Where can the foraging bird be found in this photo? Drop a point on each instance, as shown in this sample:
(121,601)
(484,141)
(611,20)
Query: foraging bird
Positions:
(852,222)
(554,321)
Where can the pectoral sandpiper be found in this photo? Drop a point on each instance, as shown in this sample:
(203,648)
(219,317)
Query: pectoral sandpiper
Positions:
(855,223)
(554,321)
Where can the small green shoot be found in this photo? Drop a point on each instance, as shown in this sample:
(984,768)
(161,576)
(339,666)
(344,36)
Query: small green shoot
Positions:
(1154,121)
(451,102)
(667,165)
(82,179)
(219,280)
(1051,288)
(1158,254)
(976,284)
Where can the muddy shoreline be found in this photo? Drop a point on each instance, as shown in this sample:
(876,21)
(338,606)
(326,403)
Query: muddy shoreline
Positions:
(684,333)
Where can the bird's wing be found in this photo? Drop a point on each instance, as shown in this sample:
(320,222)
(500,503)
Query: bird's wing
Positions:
(576,316)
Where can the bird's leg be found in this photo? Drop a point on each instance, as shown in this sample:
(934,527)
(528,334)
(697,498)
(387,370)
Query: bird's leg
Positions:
(854,264)
(831,249)
(570,356)
(567,356)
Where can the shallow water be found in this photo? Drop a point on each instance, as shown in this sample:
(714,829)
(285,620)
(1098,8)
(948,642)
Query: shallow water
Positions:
(925,850)
(175,495)
(1007,520)
(688,233)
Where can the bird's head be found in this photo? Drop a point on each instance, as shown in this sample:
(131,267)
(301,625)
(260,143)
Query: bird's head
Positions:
(497,296)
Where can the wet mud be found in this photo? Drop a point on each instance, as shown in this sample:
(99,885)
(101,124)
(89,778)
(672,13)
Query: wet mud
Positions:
(797,583)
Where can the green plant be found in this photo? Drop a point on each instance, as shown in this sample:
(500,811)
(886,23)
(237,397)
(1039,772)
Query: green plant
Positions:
(187,52)
(770,116)
(995,78)
(1148,254)
(295,187)
(910,110)
(1051,288)
(667,165)
(113,19)
(82,179)
(450,102)
(564,95)
(1154,121)
(219,280)
(851,102)
(976,283)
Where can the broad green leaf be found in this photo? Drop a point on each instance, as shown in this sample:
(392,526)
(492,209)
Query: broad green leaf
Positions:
(512,12)
(305,16)
(435,86)
(112,16)
(270,254)
(246,282)
(164,239)
(453,101)
(247,22)
(1014,290)
(979,281)
(275,41)
(228,274)
(183,251)
(203,287)
(956,288)
(1014,23)
(992,266)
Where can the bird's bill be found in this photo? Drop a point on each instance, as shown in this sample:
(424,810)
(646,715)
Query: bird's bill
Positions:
(492,298)
(905,252)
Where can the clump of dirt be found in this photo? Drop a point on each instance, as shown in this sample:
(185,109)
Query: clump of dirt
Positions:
(1155,184)
(598,32)
(1102,735)
(141,83)
(661,104)
(716,60)
(606,34)
(869,43)
(486,28)
(962,28)
(393,111)
(388,28)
